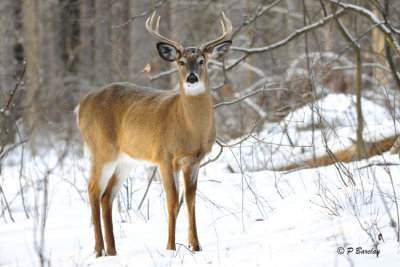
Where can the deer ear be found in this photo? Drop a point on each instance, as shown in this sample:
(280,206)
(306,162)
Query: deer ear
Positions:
(167,51)
(218,51)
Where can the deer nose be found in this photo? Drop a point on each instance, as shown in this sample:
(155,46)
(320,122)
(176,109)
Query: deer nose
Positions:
(192,78)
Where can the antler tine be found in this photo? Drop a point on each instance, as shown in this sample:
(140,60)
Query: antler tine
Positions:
(229,25)
(149,21)
(226,30)
(156,34)
(158,23)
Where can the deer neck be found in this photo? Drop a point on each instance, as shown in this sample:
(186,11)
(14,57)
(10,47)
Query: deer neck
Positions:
(197,105)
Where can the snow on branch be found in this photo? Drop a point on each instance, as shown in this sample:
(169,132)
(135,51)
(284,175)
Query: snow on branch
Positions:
(381,24)
(289,38)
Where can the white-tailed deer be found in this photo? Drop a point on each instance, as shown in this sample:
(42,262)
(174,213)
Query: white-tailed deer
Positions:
(173,129)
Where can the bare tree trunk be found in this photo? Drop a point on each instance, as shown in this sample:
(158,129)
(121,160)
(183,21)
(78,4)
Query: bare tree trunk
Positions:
(11,64)
(49,41)
(388,51)
(173,80)
(70,33)
(86,55)
(8,39)
(250,75)
(29,22)
(356,48)
(121,41)
(360,119)
(126,44)
(102,43)
(310,84)
(335,79)
(378,47)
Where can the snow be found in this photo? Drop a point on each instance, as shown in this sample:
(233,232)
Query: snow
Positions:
(253,217)
(293,140)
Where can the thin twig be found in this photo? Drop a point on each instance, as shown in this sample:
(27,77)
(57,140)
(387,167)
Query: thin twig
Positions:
(19,82)
(395,202)
(6,203)
(145,13)
(378,164)
(148,187)
(239,99)
(164,73)
(260,10)
(216,157)
(244,138)
(182,245)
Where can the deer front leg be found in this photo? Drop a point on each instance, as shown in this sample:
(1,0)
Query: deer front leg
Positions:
(171,187)
(190,179)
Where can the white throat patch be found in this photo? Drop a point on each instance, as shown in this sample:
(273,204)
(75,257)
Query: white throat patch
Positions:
(194,88)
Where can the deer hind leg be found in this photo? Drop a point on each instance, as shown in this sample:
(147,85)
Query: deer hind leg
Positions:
(190,180)
(114,185)
(171,186)
(106,207)
(94,199)
(100,176)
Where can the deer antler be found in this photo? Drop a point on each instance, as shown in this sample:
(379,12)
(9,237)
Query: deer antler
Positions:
(156,34)
(226,30)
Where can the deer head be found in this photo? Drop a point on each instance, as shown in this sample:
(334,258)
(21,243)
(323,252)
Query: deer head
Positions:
(192,61)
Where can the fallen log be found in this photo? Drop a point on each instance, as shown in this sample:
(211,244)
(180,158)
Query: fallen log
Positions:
(349,154)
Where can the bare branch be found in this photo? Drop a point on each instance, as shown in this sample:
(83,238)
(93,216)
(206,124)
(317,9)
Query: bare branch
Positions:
(216,157)
(369,15)
(19,82)
(143,14)
(289,38)
(250,134)
(261,9)
(239,99)
(7,204)
(148,187)
(247,96)
(164,73)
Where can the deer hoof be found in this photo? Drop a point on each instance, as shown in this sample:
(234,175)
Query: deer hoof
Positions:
(195,247)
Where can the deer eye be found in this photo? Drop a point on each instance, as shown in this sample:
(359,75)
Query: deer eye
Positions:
(181,62)
(201,62)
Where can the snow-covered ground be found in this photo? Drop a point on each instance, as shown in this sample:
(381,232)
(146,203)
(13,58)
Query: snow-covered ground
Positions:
(248,218)
(329,122)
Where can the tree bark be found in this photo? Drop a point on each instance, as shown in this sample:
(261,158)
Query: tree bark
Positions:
(86,55)
(378,47)
(102,43)
(29,15)
(356,48)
